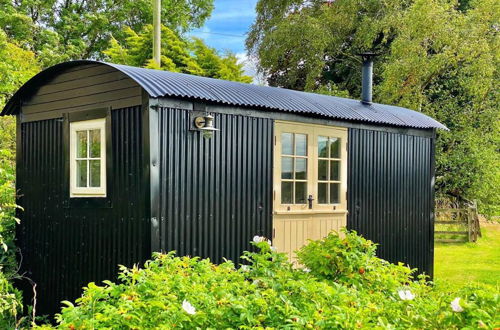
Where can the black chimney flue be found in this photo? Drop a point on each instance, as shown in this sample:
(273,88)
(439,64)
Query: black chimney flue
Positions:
(367,86)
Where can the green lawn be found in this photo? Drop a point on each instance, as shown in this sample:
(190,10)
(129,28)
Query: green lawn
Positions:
(458,264)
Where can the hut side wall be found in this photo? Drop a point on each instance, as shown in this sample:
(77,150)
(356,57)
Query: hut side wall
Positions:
(63,248)
(215,194)
(390,194)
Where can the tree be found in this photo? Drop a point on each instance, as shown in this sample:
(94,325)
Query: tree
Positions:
(177,55)
(440,57)
(77,29)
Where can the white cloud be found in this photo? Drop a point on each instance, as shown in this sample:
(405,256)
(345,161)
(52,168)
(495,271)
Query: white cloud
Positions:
(250,68)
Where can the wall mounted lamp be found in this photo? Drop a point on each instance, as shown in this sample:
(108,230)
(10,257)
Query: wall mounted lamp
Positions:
(205,124)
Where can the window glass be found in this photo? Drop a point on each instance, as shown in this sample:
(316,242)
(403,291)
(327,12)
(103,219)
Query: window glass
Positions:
(81,173)
(300,144)
(300,168)
(300,192)
(81,144)
(287,143)
(323,193)
(95,143)
(95,173)
(286,167)
(322,147)
(334,148)
(334,170)
(286,192)
(322,169)
(334,193)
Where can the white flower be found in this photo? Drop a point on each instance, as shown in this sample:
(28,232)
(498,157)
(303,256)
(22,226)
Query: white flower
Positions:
(186,305)
(269,242)
(406,295)
(245,268)
(258,239)
(306,270)
(455,305)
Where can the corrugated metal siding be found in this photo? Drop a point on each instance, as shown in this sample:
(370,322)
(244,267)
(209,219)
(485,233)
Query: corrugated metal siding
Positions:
(65,248)
(215,193)
(160,83)
(390,195)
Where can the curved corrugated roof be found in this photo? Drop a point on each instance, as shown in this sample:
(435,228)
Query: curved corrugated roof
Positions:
(159,83)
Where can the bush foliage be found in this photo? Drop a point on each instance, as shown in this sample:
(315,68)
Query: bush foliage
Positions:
(343,286)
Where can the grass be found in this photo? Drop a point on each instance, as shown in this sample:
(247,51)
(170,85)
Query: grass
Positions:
(456,265)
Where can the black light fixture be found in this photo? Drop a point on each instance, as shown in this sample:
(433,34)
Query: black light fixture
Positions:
(205,124)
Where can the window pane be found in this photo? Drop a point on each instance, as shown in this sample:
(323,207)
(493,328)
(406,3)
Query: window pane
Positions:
(334,148)
(335,170)
(286,167)
(334,193)
(95,173)
(287,143)
(81,173)
(322,146)
(300,192)
(95,143)
(81,144)
(300,168)
(300,144)
(286,192)
(323,193)
(322,170)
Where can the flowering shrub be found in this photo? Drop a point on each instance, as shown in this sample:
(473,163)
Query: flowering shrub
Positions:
(188,292)
(351,260)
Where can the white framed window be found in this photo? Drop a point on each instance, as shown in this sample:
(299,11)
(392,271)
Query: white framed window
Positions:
(88,158)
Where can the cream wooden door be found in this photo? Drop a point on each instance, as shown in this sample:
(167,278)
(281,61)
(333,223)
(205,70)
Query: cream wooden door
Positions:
(310,183)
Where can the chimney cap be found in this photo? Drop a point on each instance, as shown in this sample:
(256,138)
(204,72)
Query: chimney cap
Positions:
(368,55)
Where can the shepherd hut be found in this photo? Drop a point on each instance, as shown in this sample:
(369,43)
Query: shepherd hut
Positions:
(115,162)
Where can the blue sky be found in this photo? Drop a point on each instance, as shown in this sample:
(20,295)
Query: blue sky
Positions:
(227,27)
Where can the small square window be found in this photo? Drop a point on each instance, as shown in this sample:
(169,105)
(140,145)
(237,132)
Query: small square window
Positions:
(88,158)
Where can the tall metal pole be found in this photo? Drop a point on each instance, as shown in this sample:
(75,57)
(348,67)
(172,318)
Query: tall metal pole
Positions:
(157,31)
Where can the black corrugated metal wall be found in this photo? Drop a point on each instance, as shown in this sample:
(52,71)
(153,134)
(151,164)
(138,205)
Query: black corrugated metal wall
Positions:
(390,194)
(215,194)
(63,248)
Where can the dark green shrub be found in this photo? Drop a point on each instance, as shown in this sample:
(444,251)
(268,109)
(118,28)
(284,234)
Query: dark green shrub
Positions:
(10,304)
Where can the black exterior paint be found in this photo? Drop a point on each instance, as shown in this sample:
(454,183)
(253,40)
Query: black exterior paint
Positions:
(215,194)
(390,195)
(66,246)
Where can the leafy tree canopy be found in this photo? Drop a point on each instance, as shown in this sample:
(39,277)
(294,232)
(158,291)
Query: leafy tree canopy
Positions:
(177,55)
(74,29)
(440,57)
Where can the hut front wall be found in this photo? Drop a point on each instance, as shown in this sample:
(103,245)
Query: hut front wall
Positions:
(64,248)
(80,88)
(390,194)
(215,194)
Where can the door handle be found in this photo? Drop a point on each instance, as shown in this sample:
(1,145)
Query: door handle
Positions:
(310,200)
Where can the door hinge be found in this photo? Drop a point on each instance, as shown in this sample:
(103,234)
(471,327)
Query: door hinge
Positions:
(274,233)
(274,195)
(275,140)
